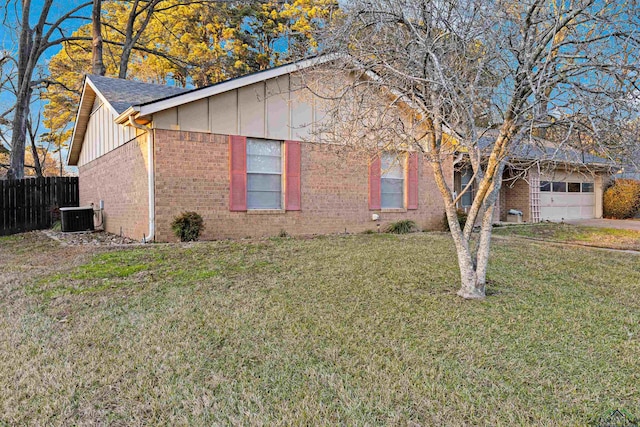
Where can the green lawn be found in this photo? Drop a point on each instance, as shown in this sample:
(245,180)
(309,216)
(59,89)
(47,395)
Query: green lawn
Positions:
(356,330)
(591,236)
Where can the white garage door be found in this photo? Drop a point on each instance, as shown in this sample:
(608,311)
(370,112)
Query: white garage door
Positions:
(563,200)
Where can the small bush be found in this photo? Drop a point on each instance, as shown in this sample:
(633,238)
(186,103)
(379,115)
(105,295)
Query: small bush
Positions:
(462,219)
(368,231)
(54,211)
(283,233)
(401,227)
(622,199)
(188,226)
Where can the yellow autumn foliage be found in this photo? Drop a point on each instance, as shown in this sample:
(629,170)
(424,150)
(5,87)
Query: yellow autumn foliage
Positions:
(198,44)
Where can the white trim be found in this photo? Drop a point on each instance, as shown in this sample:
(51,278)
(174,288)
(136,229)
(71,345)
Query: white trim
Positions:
(124,117)
(97,109)
(97,92)
(75,126)
(151,179)
(219,88)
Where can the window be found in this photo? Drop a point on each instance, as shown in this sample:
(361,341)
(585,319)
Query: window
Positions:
(573,187)
(392,181)
(587,187)
(264,174)
(559,187)
(545,186)
(467,197)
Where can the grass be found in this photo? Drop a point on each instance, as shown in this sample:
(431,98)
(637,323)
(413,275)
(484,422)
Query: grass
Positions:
(356,330)
(591,236)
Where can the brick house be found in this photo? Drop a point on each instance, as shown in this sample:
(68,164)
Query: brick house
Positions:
(545,182)
(244,154)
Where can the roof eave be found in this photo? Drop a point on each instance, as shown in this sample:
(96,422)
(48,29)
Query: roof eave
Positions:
(594,165)
(123,118)
(73,154)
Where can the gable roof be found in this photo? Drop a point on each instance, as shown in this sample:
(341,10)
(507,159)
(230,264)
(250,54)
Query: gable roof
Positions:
(128,97)
(118,95)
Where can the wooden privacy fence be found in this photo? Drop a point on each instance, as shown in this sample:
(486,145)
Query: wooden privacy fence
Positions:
(31,203)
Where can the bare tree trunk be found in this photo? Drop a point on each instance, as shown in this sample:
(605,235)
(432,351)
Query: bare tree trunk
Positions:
(18,133)
(97,63)
(131,36)
(486,228)
(34,152)
(23,96)
(29,50)
(124,61)
(470,289)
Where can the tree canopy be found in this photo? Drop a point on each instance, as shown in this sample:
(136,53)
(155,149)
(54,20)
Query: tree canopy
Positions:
(182,42)
(185,43)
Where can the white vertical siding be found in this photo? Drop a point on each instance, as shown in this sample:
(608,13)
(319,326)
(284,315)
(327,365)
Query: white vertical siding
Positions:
(102,134)
(278,108)
(223,113)
(194,116)
(251,102)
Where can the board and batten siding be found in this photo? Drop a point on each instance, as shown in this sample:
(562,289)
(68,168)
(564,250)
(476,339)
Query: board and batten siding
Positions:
(103,134)
(271,109)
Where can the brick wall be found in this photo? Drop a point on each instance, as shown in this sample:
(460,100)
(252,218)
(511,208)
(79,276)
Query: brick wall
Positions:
(502,204)
(192,173)
(516,196)
(120,179)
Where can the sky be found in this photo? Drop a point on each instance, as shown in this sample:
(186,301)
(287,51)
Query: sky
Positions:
(11,16)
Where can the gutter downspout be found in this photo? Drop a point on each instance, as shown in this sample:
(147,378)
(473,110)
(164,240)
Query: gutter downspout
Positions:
(151,183)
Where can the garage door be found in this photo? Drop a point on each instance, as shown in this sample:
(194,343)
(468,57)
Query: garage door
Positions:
(563,200)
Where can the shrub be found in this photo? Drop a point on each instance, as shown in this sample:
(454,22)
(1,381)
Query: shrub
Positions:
(462,219)
(187,226)
(401,227)
(622,199)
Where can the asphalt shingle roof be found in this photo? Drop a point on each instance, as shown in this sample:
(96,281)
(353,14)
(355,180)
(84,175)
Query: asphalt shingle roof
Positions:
(542,150)
(122,94)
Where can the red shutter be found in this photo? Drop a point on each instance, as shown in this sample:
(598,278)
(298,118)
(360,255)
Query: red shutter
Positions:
(412,184)
(292,177)
(374,183)
(238,173)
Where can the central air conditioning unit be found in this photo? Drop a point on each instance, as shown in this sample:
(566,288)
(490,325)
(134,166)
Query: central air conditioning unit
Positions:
(77,219)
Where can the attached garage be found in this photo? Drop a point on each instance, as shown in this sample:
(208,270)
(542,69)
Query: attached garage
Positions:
(567,197)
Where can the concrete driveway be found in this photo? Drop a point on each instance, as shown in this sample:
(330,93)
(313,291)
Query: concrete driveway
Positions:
(623,224)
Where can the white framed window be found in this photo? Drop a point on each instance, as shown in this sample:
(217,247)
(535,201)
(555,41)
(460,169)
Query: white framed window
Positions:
(392,181)
(264,174)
